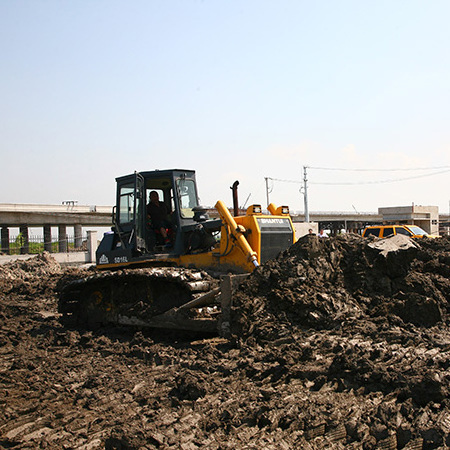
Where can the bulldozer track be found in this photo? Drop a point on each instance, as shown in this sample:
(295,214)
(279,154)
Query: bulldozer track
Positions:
(141,294)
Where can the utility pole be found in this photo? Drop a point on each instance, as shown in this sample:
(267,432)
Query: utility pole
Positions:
(267,190)
(305,193)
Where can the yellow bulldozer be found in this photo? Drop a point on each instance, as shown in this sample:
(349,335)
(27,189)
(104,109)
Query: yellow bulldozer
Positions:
(178,272)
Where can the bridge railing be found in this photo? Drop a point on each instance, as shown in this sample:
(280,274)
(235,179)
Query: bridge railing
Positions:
(18,245)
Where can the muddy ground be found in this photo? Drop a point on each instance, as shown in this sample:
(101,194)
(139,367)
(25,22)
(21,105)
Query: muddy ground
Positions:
(339,343)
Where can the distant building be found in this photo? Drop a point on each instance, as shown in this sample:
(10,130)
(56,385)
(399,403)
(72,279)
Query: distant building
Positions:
(425,217)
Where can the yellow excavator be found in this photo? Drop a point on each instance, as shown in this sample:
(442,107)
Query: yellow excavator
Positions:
(180,276)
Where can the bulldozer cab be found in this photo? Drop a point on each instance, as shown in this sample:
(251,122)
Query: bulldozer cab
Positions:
(177,194)
(135,234)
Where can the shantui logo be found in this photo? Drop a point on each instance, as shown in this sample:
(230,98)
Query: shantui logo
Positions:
(103,260)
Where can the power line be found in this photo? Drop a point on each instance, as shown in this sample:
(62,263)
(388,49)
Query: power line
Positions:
(305,192)
(392,180)
(378,170)
(284,181)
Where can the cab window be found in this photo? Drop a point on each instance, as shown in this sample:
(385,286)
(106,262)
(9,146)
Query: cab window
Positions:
(403,231)
(417,230)
(372,232)
(187,196)
(126,203)
(388,231)
(158,191)
(163,187)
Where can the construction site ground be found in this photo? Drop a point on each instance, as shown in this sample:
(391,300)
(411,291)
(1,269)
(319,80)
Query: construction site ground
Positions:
(339,343)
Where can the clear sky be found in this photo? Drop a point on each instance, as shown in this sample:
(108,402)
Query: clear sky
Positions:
(237,90)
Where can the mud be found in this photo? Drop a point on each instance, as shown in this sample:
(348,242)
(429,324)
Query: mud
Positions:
(339,343)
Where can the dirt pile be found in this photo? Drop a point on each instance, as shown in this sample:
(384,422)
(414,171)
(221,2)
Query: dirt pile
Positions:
(340,343)
(323,283)
(34,276)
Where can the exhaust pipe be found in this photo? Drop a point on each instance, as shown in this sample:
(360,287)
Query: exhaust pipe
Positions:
(235,198)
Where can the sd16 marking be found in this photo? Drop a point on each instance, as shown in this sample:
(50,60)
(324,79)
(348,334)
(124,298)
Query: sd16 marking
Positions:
(120,259)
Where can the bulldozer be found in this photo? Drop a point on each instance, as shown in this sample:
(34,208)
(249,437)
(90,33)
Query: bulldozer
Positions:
(180,276)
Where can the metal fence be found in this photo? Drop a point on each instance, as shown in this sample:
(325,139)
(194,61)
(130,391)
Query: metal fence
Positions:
(19,245)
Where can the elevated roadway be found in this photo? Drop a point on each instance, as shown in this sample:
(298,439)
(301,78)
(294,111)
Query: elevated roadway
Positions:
(339,216)
(69,214)
(33,215)
(15,215)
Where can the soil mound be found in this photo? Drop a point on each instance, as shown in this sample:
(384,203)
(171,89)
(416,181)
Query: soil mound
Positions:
(322,283)
(34,276)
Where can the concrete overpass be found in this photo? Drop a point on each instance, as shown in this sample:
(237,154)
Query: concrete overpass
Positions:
(69,214)
(14,215)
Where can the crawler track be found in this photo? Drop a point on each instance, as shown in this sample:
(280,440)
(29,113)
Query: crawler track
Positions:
(137,294)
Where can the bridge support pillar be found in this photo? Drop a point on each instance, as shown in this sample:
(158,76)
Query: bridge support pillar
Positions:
(78,233)
(25,243)
(92,245)
(5,240)
(62,239)
(48,238)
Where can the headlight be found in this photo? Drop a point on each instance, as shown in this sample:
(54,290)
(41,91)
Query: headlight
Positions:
(254,209)
(281,211)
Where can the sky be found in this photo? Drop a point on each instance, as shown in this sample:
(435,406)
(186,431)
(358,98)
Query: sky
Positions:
(355,91)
